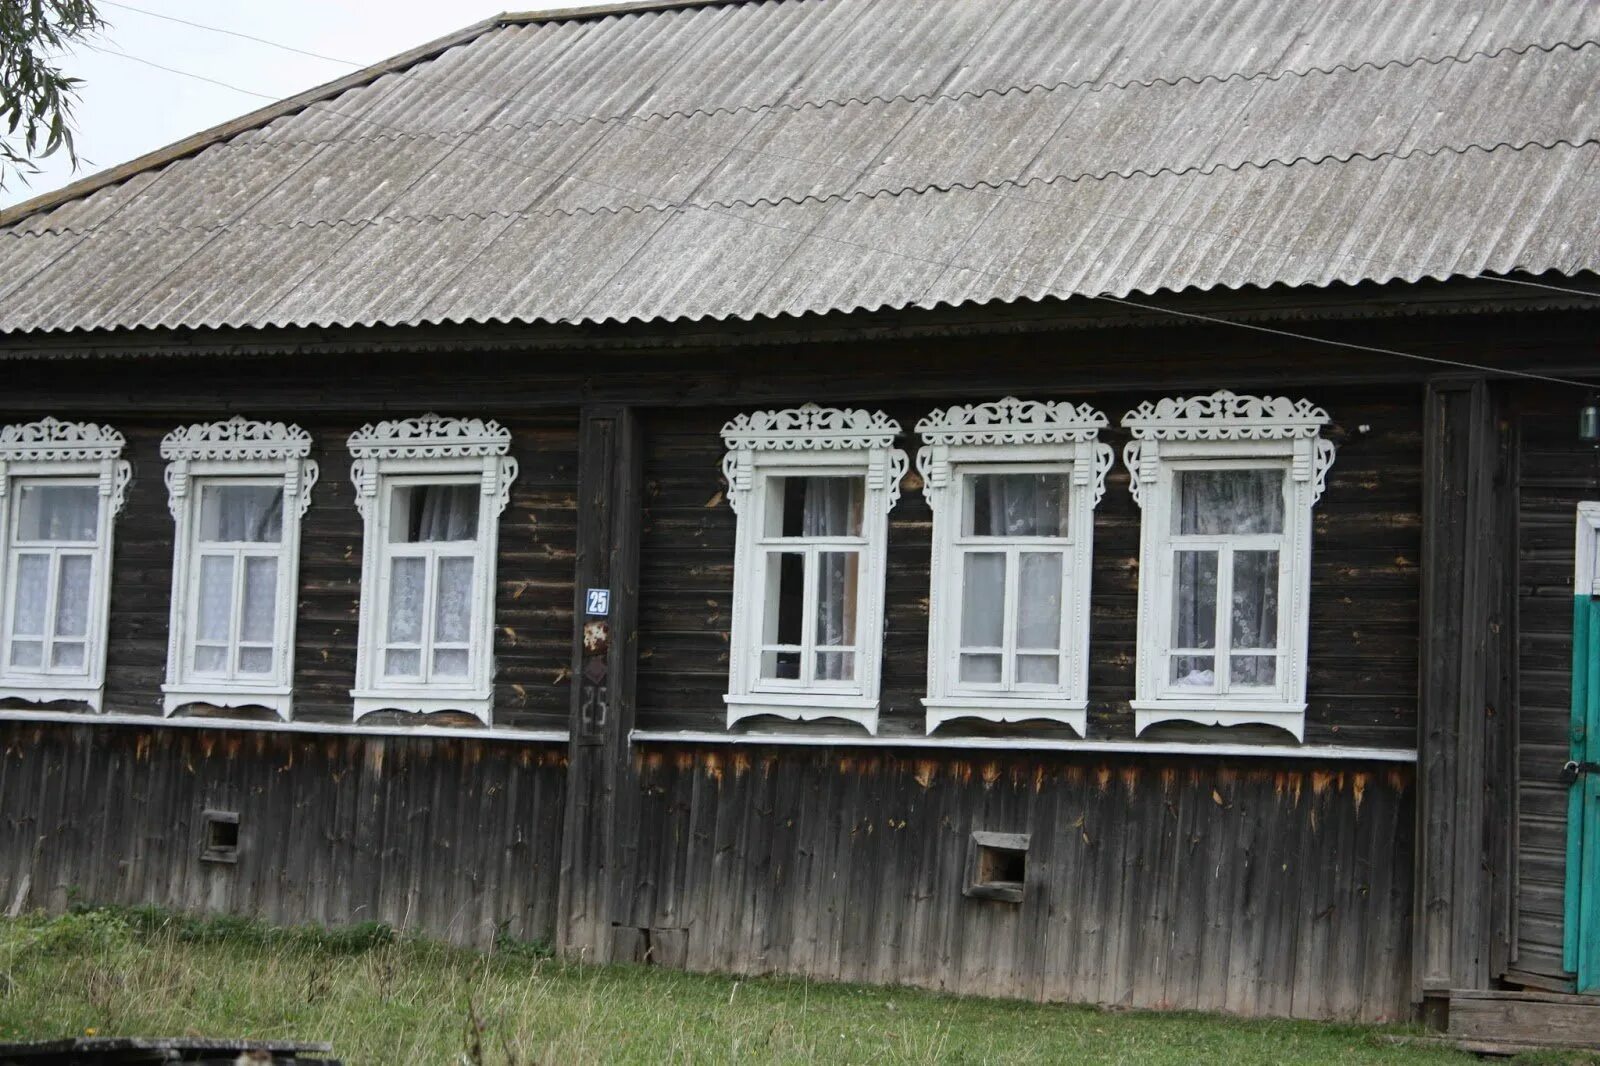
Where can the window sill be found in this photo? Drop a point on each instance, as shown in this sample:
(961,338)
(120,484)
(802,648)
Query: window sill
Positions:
(428,701)
(50,689)
(276,698)
(805,707)
(1220,711)
(1002,709)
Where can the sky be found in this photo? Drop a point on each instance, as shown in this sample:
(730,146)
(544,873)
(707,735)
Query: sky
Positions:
(126,107)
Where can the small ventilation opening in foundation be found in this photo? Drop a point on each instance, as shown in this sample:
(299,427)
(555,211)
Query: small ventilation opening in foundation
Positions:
(221,830)
(997,866)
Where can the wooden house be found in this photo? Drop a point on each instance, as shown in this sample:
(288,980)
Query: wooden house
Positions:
(1078,501)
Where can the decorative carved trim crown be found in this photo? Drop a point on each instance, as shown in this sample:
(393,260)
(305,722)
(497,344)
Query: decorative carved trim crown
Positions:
(1223,415)
(810,427)
(50,440)
(430,436)
(237,438)
(1012,421)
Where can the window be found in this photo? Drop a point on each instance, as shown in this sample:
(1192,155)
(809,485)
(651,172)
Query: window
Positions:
(236,490)
(1013,486)
(1226,484)
(61,486)
(431,491)
(812,488)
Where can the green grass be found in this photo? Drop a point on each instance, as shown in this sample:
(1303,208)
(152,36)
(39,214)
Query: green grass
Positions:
(383,999)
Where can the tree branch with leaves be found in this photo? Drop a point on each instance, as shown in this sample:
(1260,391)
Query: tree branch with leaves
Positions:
(36,97)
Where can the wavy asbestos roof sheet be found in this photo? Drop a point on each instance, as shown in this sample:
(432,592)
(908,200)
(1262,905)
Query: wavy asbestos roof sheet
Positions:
(737,160)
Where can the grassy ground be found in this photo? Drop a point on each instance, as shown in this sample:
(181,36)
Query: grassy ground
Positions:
(379,999)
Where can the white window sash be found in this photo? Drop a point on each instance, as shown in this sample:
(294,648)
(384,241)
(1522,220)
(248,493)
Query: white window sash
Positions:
(1224,432)
(803,442)
(432,553)
(1010,436)
(207,457)
(79,454)
(428,450)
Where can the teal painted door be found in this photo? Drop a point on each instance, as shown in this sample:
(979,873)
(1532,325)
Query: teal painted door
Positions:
(1582,944)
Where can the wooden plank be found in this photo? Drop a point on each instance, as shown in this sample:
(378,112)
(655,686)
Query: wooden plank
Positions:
(1462,744)
(598,841)
(1524,1019)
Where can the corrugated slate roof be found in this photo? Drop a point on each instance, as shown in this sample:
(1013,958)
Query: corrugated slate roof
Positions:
(788,156)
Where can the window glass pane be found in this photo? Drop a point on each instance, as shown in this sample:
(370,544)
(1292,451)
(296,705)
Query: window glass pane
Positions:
(1253,670)
(1213,502)
(786,584)
(216,597)
(406,577)
(450,662)
(1194,599)
(255,660)
(780,665)
(260,600)
(1194,671)
(210,659)
(66,655)
(983,596)
(836,666)
(815,506)
(58,512)
(1017,505)
(980,669)
(1039,669)
(252,513)
(402,662)
(27,654)
(430,513)
(453,607)
(838,574)
(1255,599)
(31,594)
(72,596)
(1039,600)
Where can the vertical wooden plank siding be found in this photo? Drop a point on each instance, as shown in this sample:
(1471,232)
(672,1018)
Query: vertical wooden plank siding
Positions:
(1460,685)
(599,835)
(1556,472)
(467,846)
(1264,889)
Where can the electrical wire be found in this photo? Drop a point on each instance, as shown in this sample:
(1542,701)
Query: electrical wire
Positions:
(946,264)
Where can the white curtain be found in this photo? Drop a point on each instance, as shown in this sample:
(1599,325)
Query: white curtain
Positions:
(1020,505)
(441,513)
(241,513)
(61,513)
(983,596)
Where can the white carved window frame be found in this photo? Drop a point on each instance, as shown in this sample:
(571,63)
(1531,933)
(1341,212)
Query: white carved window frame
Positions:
(54,451)
(1586,558)
(1009,435)
(426,449)
(235,451)
(1224,431)
(796,442)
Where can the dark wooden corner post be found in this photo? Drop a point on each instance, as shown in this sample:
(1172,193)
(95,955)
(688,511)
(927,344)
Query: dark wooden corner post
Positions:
(597,839)
(1460,926)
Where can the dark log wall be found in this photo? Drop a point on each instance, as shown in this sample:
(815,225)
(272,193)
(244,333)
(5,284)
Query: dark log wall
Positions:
(1365,564)
(1557,471)
(533,611)
(457,837)
(1258,889)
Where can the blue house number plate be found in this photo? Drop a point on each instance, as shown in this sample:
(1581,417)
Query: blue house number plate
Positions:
(597,601)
